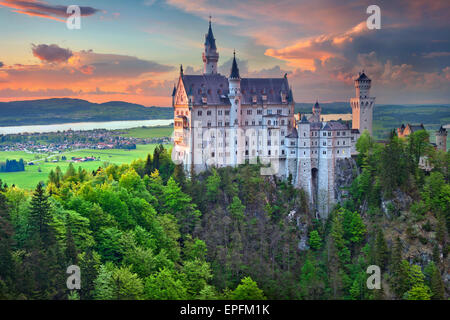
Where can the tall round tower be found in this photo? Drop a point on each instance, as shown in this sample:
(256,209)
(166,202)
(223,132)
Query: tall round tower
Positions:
(362,105)
(210,56)
(441,139)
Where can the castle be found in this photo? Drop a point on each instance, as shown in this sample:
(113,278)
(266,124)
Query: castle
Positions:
(226,121)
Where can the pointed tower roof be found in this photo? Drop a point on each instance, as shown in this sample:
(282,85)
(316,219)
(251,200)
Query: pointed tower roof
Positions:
(234,68)
(209,39)
(174,91)
(304,120)
(362,76)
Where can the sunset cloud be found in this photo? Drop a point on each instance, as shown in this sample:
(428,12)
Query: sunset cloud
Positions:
(43,9)
(51,53)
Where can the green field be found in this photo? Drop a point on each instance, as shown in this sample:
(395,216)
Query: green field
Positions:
(31,176)
(148,132)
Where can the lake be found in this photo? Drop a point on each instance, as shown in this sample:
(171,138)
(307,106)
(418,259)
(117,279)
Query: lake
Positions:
(83,126)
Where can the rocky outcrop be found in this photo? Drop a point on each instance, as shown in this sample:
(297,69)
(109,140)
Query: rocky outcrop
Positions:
(346,171)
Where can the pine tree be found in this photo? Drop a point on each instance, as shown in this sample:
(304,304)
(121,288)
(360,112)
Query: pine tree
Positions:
(71,249)
(148,169)
(437,285)
(381,250)
(40,218)
(6,247)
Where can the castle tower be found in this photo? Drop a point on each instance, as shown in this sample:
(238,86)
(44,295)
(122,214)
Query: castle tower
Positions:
(304,157)
(210,56)
(317,110)
(235,111)
(362,105)
(441,139)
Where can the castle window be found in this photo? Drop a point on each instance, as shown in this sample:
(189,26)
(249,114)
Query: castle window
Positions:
(220,123)
(282,132)
(253,122)
(292,143)
(324,152)
(337,151)
(227,124)
(324,134)
(212,154)
(343,142)
(209,124)
(338,143)
(259,111)
(282,142)
(269,122)
(199,113)
(269,143)
(268,152)
(254,99)
(208,113)
(282,151)
(304,152)
(343,133)
(269,111)
(264,97)
(329,134)
(338,133)
(260,122)
(227,112)
(324,143)
(219,112)
(304,144)
(304,134)
(279,111)
(249,112)
(282,122)
(246,123)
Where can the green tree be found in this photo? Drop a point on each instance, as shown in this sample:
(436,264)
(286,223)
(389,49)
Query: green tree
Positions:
(41,218)
(315,241)
(165,285)
(248,290)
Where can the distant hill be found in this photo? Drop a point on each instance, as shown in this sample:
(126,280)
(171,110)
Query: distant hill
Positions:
(52,111)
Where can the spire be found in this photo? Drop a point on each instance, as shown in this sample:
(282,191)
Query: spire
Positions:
(174,90)
(209,39)
(234,68)
(181,70)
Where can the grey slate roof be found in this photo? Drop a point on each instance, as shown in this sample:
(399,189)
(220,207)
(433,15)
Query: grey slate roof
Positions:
(234,69)
(335,125)
(362,76)
(271,87)
(293,134)
(209,38)
(442,130)
(215,88)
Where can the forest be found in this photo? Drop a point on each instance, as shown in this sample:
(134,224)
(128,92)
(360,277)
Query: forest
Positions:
(145,230)
(12,166)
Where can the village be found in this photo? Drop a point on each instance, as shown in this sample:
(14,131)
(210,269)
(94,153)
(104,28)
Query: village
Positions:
(59,142)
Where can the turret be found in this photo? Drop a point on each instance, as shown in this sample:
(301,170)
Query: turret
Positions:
(362,85)
(234,95)
(317,110)
(441,139)
(210,56)
(362,105)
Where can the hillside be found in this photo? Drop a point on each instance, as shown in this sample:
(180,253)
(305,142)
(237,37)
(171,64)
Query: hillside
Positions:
(51,111)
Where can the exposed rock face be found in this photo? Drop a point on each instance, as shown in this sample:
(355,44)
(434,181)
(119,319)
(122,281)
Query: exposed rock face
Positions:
(346,171)
(400,202)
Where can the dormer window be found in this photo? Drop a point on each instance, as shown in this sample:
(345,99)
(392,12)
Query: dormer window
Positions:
(283,97)
(254,99)
(204,100)
(264,97)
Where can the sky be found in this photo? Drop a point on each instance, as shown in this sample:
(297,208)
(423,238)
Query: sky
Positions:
(132,50)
